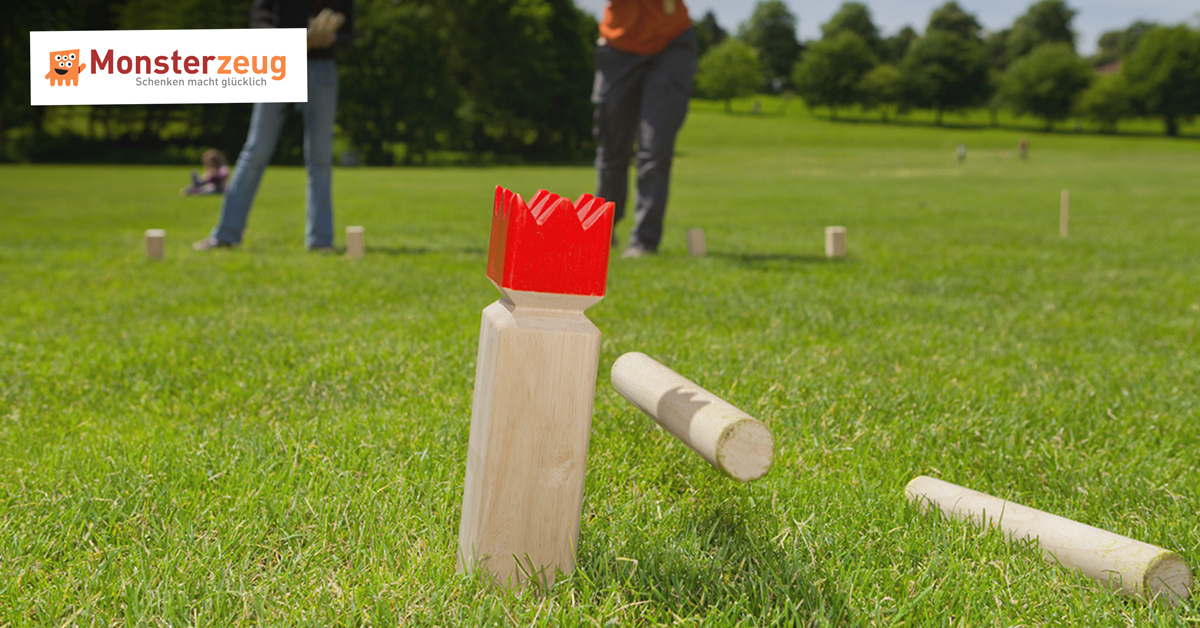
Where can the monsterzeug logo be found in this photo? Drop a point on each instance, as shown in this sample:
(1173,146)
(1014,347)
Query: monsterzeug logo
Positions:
(169,67)
(65,67)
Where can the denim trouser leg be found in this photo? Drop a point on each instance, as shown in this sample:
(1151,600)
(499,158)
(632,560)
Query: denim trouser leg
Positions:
(646,96)
(319,113)
(265,123)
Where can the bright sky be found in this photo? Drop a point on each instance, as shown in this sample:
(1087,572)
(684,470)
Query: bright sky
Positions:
(1094,17)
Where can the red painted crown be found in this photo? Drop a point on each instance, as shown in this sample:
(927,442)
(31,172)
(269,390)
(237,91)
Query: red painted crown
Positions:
(550,245)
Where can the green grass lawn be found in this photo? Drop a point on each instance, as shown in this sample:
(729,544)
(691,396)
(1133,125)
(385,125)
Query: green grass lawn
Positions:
(269,437)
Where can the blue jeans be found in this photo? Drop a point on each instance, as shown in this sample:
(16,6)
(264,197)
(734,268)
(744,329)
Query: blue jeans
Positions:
(265,124)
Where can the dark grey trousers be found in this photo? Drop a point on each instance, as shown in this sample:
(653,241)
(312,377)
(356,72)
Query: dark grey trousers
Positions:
(644,98)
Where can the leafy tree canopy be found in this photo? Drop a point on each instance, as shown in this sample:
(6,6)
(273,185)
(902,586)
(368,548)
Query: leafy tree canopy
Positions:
(1045,82)
(854,17)
(896,46)
(1107,101)
(1045,22)
(771,31)
(832,70)
(953,19)
(708,32)
(946,71)
(1164,74)
(728,70)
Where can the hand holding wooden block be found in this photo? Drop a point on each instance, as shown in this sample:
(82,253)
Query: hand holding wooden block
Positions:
(355,244)
(732,441)
(155,243)
(835,242)
(1116,562)
(535,383)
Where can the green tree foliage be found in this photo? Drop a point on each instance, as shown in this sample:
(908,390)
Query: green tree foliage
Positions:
(951,18)
(996,48)
(771,31)
(708,32)
(945,72)
(882,88)
(388,103)
(1046,82)
(1046,22)
(896,46)
(1106,101)
(854,17)
(524,67)
(1116,45)
(831,73)
(728,70)
(1164,75)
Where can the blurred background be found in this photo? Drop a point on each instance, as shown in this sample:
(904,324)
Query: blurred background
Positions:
(508,81)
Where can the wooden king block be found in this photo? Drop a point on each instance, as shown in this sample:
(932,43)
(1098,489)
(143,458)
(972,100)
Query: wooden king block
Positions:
(355,244)
(835,242)
(535,384)
(1117,562)
(696,244)
(155,243)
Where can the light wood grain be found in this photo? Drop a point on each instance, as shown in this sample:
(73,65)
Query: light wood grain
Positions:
(1117,562)
(732,441)
(1064,213)
(535,383)
(355,242)
(156,240)
(835,242)
(697,247)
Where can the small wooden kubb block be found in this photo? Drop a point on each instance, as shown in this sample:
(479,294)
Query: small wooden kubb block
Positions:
(535,385)
(1064,213)
(155,243)
(732,441)
(355,243)
(696,244)
(1117,562)
(835,242)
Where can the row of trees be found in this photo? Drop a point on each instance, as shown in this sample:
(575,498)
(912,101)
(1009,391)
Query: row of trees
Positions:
(508,78)
(1031,67)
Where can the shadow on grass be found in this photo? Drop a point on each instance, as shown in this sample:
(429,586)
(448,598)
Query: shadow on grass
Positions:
(774,260)
(719,564)
(421,250)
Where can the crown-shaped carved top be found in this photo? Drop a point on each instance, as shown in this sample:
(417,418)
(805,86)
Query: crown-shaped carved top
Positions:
(550,245)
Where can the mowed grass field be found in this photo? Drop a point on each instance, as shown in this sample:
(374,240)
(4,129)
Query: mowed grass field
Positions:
(269,437)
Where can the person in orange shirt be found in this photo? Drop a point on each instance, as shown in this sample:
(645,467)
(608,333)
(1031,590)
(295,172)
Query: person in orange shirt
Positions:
(645,64)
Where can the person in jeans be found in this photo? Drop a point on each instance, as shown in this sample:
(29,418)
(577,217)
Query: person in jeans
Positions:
(267,119)
(645,65)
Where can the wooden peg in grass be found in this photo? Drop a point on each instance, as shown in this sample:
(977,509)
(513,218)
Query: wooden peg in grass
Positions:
(697,247)
(355,244)
(1117,562)
(732,441)
(155,243)
(835,242)
(1064,213)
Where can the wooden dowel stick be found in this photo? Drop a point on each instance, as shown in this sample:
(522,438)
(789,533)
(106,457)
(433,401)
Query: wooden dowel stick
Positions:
(696,244)
(1117,562)
(835,242)
(155,243)
(1064,213)
(730,440)
(355,244)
